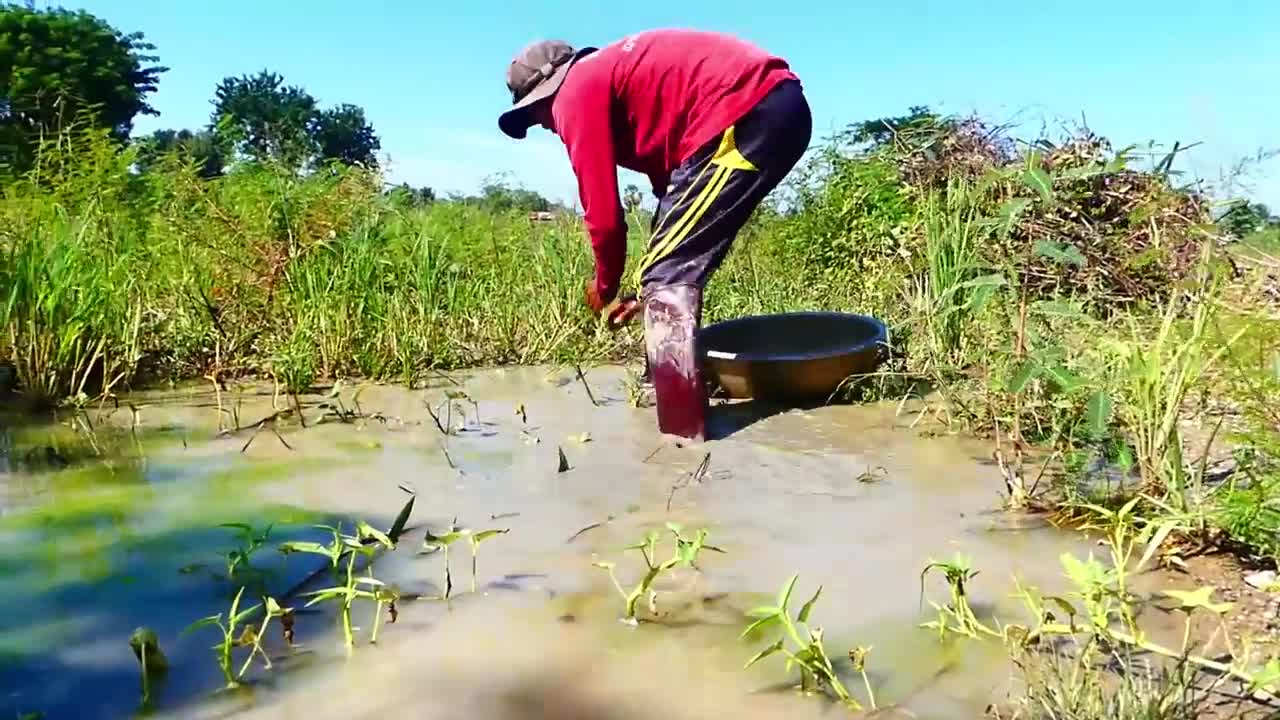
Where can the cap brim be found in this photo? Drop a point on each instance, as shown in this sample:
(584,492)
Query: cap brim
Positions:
(516,121)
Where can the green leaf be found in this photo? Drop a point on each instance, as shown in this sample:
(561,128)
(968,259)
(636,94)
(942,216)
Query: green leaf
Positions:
(1063,605)
(366,531)
(483,535)
(763,611)
(762,624)
(1037,179)
(1057,308)
(990,280)
(808,607)
(305,547)
(1063,378)
(397,528)
(235,604)
(1199,598)
(371,582)
(1161,534)
(246,529)
(245,614)
(774,648)
(211,621)
(326,594)
(1098,415)
(1010,211)
(1023,375)
(784,597)
(1062,253)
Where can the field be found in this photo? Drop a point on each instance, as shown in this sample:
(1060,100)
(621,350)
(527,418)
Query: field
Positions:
(1065,303)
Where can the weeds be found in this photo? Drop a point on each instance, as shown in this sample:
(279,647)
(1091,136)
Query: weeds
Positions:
(354,587)
(1156,374)
(806,651)
(151,659)
(956,616)
(685,554)
(248,636)
(441,543)
(239,560)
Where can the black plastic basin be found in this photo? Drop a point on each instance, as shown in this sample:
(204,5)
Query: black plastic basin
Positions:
(790,356)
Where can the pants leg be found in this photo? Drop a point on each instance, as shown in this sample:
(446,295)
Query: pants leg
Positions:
(714,193)
(711,198)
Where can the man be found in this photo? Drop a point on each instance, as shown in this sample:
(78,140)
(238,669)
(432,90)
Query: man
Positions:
(714,122)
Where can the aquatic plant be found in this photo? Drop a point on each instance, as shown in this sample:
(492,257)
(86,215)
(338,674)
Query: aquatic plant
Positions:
(151,659)
(956,616)
(434,543)
(251,541)
(806,651)
(685,554)
(248,636)
(354,587)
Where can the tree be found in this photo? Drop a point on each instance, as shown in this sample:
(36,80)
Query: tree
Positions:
(632,198)
(1244,218)
(879,131)
(263,119)
(343,134)
(406,195)
(496,195)
(57,66)
(203,147)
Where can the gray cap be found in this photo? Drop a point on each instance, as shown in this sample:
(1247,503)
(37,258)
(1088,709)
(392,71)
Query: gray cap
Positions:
(534,75)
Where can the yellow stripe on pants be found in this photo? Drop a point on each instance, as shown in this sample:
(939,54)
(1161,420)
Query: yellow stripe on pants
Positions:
(686,223)
(727,158)
(714,186)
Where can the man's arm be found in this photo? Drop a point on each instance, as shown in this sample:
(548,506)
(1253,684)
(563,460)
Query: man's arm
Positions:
(583,122)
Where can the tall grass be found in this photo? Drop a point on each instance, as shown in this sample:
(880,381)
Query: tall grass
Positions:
(109,278)
(950,290)
(68,305)
(1156,372)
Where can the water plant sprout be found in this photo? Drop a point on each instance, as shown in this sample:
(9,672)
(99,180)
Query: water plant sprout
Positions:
(433,543)
(817,672)
(685,554)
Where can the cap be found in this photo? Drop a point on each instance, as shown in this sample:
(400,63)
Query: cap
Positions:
(535,74)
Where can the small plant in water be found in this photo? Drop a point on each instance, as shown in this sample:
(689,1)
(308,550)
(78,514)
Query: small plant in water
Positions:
(817,673)
(434,543)
(685,554)
(956,616)
(356,587)
(249,636)
(146,648)
(238,560)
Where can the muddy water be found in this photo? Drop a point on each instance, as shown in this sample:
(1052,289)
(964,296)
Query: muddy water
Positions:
(846,497)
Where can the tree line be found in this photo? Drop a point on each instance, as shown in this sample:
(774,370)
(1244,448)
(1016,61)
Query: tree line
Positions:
(60,67)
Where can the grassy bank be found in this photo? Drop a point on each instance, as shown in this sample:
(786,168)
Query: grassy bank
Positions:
(1066,299)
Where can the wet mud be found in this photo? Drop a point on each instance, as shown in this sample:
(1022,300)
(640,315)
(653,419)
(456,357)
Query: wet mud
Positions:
(846,497)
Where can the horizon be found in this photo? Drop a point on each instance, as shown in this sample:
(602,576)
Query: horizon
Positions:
(1136,78)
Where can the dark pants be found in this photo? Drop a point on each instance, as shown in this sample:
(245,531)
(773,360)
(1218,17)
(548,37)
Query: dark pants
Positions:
(714,192)
(711,196)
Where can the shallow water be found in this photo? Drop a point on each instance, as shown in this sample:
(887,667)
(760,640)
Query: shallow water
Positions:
(847,497)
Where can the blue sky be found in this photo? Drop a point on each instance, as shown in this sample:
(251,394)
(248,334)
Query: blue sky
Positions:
(430,79)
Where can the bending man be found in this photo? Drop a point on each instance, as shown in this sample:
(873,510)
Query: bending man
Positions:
(714,122)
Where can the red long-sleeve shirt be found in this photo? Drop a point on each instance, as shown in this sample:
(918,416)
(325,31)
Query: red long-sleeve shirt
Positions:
(647,103)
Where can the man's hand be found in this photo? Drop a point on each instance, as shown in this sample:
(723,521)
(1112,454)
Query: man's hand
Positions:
(594,300)
(624,311)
